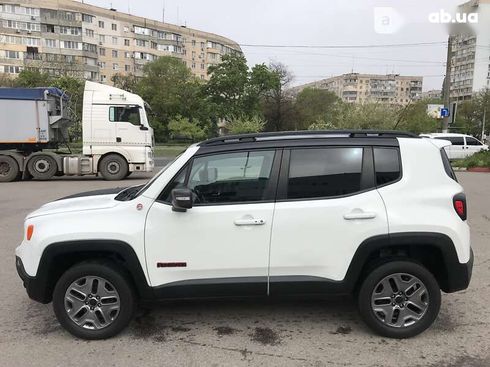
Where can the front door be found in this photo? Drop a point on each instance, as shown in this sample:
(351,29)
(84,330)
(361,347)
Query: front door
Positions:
(327,206)
(472,146)
(219,247)
(128,121)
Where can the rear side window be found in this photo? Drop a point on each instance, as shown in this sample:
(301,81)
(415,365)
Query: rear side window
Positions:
(325,172)
(387,165)
(447,165)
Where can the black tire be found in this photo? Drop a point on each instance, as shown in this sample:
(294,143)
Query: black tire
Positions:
(377,275)
(42,167)
(9,169)
(113,167)
(117,278)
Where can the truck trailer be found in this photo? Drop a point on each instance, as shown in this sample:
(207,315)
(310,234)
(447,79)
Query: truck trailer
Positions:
(34,122)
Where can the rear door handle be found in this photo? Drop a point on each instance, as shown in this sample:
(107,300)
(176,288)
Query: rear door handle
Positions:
(249,222)
(359,215)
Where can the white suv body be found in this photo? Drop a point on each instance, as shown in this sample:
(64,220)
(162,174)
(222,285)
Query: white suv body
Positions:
(261,215)
(462,145)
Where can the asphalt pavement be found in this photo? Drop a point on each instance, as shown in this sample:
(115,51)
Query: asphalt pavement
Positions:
(239,333)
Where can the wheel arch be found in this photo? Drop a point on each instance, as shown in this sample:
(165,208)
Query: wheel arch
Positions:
(120,152)
(59,257)
(435,251)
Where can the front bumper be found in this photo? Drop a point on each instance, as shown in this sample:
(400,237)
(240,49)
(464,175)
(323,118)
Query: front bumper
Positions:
(459,275)
(31,284)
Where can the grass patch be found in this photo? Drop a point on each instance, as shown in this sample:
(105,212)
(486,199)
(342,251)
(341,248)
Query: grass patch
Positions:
(169,150)
(481,159)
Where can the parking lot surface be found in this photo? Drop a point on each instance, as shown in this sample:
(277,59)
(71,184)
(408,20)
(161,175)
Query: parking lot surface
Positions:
(239,333)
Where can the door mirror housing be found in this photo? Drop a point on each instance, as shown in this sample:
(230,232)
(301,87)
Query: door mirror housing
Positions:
(181,200)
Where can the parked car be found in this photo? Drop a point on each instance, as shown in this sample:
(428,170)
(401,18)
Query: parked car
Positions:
(295,213)
(462,145)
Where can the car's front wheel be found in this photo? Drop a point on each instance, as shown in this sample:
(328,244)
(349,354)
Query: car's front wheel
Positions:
(399,299)
(93,300)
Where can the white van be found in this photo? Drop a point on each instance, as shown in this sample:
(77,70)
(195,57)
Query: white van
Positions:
(462,145)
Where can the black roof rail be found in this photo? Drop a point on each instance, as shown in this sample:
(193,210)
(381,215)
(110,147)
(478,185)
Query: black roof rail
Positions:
(307,134)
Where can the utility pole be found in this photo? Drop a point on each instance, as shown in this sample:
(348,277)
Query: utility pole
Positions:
(447,84)
(483,137)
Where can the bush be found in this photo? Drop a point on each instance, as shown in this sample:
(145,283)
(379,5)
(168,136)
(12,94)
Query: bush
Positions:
(246,125)
(181,128)
(481,159)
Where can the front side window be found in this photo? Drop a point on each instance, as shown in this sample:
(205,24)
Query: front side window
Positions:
(226,178)
(125,114)
(386,165)
(325,172)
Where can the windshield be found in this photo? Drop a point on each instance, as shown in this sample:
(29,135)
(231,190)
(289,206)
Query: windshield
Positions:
(133,192)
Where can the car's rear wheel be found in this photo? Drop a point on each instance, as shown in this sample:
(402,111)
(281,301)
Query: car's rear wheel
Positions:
(399,299)
(93,300)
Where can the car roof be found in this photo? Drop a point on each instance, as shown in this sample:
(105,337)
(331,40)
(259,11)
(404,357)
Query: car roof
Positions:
(304,139)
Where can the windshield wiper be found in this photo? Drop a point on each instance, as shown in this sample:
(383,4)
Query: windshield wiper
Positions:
(129,193)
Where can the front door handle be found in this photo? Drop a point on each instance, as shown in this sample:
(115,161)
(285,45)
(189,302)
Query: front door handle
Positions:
(359,215)
(249,222)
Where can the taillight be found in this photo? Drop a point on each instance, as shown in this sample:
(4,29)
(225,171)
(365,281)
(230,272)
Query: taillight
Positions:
(459,203)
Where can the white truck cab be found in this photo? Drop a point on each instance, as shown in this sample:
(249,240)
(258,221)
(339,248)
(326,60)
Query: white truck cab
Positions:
(117,138)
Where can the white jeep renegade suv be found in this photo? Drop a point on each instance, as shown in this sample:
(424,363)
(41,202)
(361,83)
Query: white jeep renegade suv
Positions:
(376,214)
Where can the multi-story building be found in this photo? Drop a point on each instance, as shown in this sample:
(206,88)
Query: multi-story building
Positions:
(470,57)
(69,37)
(364,88)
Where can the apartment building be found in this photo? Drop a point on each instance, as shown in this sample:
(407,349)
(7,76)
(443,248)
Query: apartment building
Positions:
(86,41)
(470,58)
(366,88)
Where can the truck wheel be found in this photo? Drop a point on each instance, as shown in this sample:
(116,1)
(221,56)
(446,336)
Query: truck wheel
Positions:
(113,167)
(94,300)
(399,299)
(9,169)
(42,167)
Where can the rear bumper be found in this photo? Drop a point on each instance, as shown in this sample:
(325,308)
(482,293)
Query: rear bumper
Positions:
(31,284)
(459,275)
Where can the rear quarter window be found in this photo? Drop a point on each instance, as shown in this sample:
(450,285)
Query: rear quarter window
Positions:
(387,165)
(447,165)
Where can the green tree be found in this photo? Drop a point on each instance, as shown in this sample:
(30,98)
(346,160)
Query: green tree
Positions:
(182,128)
(73,87)
(279,109)
(126,82)
(244,125)
(314,105)
(414,118)
(470,114)
(6,80)
(234,90)
(171,90)
(30,78)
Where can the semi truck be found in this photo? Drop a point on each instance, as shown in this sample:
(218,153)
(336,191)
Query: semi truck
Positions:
(34,122)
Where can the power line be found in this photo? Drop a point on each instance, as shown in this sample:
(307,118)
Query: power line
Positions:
(343,46)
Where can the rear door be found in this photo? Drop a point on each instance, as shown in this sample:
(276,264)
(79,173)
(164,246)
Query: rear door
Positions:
(457,149)
(327,206)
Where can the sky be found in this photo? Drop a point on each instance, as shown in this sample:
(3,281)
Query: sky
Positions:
(326,30)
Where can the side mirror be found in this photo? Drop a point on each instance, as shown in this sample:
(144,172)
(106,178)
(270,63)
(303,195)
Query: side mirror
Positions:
(181,200)
(143,127)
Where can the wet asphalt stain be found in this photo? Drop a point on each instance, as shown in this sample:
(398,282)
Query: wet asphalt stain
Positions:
(224,330)
(265,336)
(145,326)
(344,330)
(445,323)
(180,329)
(484,216)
